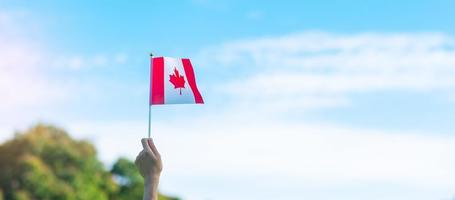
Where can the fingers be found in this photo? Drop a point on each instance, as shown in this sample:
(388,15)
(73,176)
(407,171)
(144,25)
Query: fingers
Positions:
(153,147)
(138,158)
(146,146)
(150,147)
(140,154)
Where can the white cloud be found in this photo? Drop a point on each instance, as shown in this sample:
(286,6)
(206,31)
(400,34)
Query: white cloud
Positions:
(22,81)
(319,155)
(26,66)
(87,62)
(316,65)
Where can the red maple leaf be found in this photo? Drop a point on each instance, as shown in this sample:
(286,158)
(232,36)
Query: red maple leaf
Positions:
(177,80)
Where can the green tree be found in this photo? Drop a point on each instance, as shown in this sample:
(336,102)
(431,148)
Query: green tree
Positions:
(130,181)
(45,163)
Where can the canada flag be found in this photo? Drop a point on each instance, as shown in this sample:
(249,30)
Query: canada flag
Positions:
(172,81)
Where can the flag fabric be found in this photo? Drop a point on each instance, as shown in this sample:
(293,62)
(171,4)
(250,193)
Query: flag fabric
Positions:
(172,81)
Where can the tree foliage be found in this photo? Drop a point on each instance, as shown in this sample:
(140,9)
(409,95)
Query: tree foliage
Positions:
(45,163)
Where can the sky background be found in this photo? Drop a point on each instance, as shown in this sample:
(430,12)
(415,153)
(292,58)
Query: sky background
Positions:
(304,99)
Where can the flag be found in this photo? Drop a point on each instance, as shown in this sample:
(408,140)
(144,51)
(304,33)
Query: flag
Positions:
(172,81)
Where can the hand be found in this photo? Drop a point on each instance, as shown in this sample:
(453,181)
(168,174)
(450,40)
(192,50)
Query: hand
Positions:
(150,166)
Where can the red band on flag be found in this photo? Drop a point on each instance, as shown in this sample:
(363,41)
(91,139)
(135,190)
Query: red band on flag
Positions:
(157,81)
(191,80)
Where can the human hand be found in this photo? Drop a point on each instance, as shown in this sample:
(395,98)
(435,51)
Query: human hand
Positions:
(150,166)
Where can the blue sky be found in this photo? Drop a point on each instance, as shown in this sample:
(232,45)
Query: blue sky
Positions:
(304,99)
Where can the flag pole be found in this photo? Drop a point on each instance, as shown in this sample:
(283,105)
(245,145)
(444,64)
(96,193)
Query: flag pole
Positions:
(150,90)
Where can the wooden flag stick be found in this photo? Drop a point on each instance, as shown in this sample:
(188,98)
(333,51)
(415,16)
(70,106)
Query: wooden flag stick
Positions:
(150,90)
(149,121)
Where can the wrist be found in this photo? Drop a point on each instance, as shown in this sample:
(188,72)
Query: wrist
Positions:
(151,187)
(151,180)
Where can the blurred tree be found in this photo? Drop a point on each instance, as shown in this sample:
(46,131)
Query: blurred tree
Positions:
(130,181)
(45,163)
